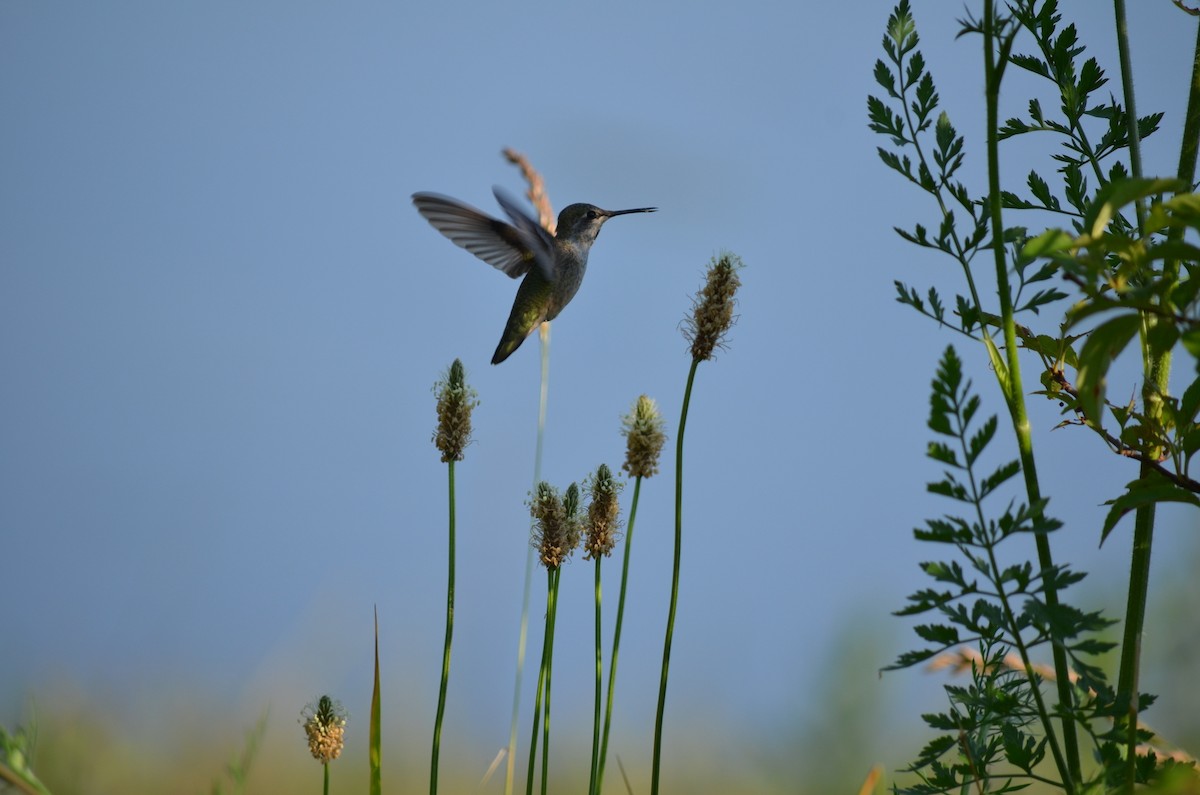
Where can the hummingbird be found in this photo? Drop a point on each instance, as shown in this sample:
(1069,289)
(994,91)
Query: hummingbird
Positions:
(553,265)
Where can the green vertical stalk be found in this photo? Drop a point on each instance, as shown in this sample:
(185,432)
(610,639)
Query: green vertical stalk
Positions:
(441,707)
(543,399)
(1015,395)
(599,688)
(1157,370)
(666,663)
(326,789)
(1154,364)
(537,699)
(616,647)
(375,737)
(551,614)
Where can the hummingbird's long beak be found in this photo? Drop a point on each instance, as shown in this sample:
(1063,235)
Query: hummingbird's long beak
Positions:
(611,213)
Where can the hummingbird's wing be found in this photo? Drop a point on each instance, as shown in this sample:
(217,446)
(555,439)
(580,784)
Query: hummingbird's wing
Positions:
(503,246)
(544,252)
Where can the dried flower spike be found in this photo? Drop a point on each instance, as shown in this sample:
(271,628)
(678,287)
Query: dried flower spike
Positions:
(455,402)
(712,310)
(603,510)
(644,438)
(556,529)
(325,727)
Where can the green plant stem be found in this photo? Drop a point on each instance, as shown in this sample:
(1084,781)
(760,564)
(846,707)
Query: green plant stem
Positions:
(441,707)
(1070,770)
(599,688)
(374,751)
(543,399)
(616,647)
(1131,119)
(1191,125)
(326,766)
(1157,370)
(537,699)
(666,663)
(552,613)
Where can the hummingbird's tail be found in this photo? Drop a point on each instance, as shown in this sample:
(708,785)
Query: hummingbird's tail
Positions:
(508,343)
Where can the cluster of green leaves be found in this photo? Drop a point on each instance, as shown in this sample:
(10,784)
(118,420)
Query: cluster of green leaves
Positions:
(1122,274)
(999,609)
(1118,245)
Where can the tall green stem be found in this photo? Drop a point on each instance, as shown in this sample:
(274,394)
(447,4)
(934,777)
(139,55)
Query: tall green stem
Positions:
(599,688)
(666,663)
(616,647)
(1014,391)
(441,707)
(1157,370)
(552,614)
(537,699)
(543,399)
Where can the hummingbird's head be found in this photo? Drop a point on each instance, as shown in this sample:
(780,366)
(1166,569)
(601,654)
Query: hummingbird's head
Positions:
(582,222)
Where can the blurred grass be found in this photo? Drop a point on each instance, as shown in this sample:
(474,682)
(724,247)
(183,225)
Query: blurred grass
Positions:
(180,740)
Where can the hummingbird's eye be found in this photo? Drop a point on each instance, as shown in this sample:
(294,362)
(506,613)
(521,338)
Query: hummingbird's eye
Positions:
(592,215)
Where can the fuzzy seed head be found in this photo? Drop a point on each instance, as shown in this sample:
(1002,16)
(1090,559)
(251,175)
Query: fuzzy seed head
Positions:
(555,524)
(325,727)
(712,309)
(644,438)
(455,402)
(602,514)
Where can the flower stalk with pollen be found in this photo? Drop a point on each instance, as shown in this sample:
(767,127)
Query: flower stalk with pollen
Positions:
(325,727)
(644,437)
(602,524)
(455,402)
(556,533)
(711,318)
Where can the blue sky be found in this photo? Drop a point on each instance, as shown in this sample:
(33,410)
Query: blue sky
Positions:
(220,321)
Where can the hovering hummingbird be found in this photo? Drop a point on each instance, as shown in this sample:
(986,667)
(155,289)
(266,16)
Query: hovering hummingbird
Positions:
(552,265)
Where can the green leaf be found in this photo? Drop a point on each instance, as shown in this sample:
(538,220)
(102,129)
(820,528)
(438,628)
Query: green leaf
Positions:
(1149,490)
(1041,191)
(1191,343)
(1102,346)
(994,480)
(1189,404)
(1115,195)
(937,633)
(980,440)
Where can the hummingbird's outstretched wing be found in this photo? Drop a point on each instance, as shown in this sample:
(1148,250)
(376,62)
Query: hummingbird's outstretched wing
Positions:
(543,254)
(508,248)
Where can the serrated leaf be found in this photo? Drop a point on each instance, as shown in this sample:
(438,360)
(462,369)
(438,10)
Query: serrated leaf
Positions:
(937,633)
(1041,191)
(943,453)
(981,439)
(998,477)
(885,78)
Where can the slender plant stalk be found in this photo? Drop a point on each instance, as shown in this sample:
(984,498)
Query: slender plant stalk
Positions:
(537,699)
(326,766)
(1070,770)
(543,399)
(374,752)
(1154,364)
(599,688)
(616,647)
(551,613)
(666,663)
(1157,370)
(441,707)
